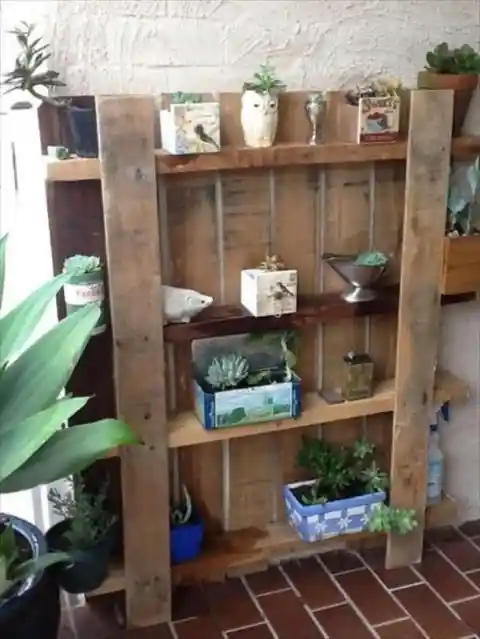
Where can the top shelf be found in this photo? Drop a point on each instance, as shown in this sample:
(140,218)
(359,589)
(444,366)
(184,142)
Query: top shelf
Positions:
(234,158)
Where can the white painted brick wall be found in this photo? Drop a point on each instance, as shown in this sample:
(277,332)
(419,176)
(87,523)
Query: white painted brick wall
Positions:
(153,46)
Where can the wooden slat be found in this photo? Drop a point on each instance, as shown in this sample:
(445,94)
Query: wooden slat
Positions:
(126,132)
(233,158)
(428,166)
(461,265)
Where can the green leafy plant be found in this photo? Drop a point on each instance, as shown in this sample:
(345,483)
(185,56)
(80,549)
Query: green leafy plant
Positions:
(35,448)
(227,371)
(285,342)
(89,519)
(459,61)
(27,74)
(14,569)
(385,519)
(462,199)
(371,258)
(181,513)
(265,81)
(186,98)
(80,264)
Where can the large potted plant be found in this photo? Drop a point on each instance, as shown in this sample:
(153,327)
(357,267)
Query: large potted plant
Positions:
(456,69)
(29,77)
(35,448)
(87,533)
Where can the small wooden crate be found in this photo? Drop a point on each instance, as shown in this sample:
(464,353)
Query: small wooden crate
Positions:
(461,265)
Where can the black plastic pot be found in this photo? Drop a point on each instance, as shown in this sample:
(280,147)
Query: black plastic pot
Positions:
(89,568)
(33,612)
(83,129)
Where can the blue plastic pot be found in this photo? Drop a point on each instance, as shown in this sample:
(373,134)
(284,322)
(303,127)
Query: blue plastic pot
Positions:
(83,127)
(186,541)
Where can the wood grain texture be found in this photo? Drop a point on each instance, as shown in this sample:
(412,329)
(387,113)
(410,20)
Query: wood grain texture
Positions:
(461,265)
(126,133)
(427,174)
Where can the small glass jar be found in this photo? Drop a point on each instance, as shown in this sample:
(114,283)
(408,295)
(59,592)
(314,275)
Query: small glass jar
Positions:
(358,376)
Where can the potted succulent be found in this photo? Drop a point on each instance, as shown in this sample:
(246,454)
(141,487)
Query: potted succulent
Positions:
(29,77)
(236,389)
(346,494)
(87,534)
(186,530)
(370,113)
(456,69)
(461,264)
(36,449)
(259,111)
(85,285)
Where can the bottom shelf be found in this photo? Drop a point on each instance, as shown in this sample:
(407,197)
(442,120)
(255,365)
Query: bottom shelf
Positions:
(251,549)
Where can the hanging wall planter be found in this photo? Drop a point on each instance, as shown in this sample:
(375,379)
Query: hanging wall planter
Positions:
(259,112)
(86,286)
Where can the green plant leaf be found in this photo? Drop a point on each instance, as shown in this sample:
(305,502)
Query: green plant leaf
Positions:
(32,567)
(69,451)
(34,380)
(19,441)
(17,326)
(3,257)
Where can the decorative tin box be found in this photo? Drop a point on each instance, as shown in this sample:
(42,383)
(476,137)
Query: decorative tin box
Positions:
(240,406)
(374,120)
(342,517)
(266,292)
(190,128)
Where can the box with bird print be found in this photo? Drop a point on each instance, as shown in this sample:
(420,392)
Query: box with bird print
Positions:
(189,126)
(269,289)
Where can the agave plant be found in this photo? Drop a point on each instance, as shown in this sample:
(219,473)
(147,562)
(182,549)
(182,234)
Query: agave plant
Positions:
(227,371)
(35,448)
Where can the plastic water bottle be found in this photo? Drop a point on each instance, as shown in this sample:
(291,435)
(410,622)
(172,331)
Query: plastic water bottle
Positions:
(435,467)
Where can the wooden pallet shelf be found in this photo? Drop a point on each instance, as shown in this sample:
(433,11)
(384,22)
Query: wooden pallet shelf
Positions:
(280,155)
(251,549)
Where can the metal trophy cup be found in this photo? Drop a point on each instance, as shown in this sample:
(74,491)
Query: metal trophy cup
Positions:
(360,278)
(314,107)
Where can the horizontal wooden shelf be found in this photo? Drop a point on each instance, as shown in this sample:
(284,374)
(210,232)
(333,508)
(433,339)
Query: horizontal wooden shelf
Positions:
(251,549)
(186,430)
(216,321)
(233,158)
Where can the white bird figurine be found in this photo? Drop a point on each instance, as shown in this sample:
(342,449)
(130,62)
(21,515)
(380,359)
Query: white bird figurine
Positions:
(181,304)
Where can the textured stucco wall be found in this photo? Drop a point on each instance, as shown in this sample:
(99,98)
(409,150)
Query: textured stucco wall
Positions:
(153,46)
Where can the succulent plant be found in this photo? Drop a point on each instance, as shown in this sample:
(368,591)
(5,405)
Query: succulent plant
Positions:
(186,98)
(381,88)
(227,371)
(80,264)
(371,258)
(386,519)
(462,200)
(26,76)
(181,513)
(265,81)
(463,60)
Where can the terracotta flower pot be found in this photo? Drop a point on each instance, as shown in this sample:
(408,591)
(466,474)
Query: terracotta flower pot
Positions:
(462,84)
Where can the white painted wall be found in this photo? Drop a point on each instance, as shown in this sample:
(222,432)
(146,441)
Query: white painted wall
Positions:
(153,46)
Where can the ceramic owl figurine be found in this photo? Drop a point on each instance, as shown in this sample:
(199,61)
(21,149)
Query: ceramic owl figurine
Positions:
(259,118)
(181,304)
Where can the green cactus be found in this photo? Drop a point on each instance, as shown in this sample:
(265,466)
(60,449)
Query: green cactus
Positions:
(227,371)
(464,60)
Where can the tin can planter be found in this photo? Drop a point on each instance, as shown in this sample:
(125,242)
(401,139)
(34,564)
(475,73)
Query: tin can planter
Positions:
(317,522)
(89,567)
(86,286)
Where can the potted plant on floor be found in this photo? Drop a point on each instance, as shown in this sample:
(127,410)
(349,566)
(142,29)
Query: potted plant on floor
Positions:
(186,530)
(455,69)
(36,448)
(259,111)
(461,262)
(29,76)
(346,494)
(85,286)
(87,534)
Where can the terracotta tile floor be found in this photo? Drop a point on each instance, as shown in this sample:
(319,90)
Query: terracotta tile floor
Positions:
(338,595)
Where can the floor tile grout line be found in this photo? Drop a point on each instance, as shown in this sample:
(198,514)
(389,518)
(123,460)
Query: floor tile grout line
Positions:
(405,586)
(327,607)
(398,602)
(349,600)
(464,600)
(171,627)
(240,628)
(343,572)
(457,569)
(389,623)
(259,607)
(184,619)
(271,592)
(307,608)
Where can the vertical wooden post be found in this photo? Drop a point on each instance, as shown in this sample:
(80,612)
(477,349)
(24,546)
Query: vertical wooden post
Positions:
(427,175)
(126,132)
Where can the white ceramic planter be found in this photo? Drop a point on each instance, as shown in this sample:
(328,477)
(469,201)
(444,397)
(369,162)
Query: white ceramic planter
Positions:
(259,118)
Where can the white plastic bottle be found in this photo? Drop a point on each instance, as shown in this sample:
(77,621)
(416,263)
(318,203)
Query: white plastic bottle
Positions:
(435,467)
